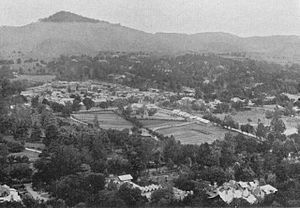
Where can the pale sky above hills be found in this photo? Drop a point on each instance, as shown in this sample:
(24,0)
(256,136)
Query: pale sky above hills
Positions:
(240,17)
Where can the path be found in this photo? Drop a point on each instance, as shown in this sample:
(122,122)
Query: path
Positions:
(36,195)
(33,150)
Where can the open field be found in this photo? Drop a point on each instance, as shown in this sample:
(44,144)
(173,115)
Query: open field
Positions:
(107,119)
(195,133)
(35,78)
(254,114)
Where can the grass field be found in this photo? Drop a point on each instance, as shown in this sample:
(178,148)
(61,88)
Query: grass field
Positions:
(195,133)
(107,120)
(259,113)
(35,78)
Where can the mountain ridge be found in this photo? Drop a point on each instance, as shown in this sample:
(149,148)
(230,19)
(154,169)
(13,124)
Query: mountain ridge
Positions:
(82,35)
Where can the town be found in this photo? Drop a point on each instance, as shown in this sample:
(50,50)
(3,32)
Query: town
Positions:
(98,114)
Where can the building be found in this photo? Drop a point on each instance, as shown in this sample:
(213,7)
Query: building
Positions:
(8,194)
(125,178)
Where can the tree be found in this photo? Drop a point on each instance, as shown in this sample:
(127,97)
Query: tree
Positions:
(14,146)
(107,199)
(56,107)
(20,171)
(277,125)
(51,132)
(131,196)
(3,153)
(227,152)
(162,197)
(198,93)
(103,105)
(96,122)
(70,188)
(88,102)
(67,109)
(184,183)
(247,128)
(21,118)
(268,114)
(261,130)
(36,133)
(228,121)
(94,182)
(128,110)
(152,111)
(65,160)
(172,150)
(35,101)
(76,104)
(289,110)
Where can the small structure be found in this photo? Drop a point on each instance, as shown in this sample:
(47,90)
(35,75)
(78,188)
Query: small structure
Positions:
(125,178)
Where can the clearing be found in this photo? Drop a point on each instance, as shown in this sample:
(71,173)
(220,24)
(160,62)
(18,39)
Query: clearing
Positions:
(259,113)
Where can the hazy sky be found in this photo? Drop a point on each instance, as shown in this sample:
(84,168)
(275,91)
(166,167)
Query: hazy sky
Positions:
(241,17)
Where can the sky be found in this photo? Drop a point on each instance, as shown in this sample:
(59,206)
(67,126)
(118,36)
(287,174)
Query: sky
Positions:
(240,17)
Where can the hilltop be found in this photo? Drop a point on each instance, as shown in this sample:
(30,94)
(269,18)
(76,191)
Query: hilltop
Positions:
(64,16)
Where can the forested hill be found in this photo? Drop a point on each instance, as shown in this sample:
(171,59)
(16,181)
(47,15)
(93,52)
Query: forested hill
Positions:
(68,33)
(213,76)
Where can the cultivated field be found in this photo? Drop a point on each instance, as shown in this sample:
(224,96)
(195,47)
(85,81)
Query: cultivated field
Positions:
(195,133)
(152,124)
(107,119)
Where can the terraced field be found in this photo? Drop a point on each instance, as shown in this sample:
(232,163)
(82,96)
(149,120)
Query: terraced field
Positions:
(195,133)
(152,124)
(107,119)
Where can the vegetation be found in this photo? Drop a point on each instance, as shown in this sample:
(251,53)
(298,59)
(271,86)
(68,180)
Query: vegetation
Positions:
(77,159)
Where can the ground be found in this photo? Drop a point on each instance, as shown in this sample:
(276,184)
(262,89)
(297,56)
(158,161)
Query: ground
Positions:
(259,113)
(36,195)
(107,119)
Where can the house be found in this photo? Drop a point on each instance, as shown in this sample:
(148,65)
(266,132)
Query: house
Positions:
(98,101)
(125,178)
(66,100)
(252,192)
(8,194)
(237,99)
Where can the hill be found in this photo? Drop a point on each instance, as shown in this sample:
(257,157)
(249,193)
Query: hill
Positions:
(68,33)
(64,16)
